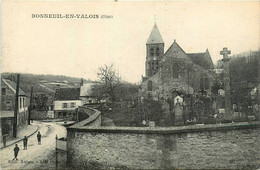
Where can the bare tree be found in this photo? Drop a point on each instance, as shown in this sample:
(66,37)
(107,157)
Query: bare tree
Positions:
(109,80)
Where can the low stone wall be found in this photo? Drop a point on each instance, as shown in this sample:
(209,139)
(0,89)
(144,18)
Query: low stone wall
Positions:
(194,147)
(87,117)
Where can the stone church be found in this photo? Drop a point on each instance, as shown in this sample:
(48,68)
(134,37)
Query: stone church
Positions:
(174,72)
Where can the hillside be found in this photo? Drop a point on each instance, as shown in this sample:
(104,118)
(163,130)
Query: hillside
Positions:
(43,83)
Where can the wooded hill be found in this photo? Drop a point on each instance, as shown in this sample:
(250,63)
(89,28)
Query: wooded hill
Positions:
(38,82)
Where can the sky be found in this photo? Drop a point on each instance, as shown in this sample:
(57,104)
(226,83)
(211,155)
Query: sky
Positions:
(77,47)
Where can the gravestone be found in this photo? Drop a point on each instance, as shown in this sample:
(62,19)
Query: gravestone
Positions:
(178,99)
(178,112)
(151,124)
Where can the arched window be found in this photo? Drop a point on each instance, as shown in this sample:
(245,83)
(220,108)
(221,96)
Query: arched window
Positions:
(157,51)
(176,70)
(152,51)
(204,82)
(150,85)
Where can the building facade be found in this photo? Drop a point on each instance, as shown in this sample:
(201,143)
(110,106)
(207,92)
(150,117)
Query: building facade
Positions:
(174,72)
(65,102)
(8,94)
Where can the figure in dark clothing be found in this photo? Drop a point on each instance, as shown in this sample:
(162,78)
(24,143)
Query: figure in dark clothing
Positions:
(25,139)
(39,138)
(16,150)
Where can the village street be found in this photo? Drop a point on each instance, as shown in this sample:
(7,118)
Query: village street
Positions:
(36,156)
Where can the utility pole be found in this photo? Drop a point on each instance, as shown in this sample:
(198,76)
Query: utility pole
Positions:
(30,108)
(56,152)
(16,109)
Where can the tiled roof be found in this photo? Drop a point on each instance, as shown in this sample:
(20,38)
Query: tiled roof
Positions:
(155,36)
(67,94)
(12,86)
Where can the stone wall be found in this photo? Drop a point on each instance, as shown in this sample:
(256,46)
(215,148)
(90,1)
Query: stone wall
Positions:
(93,117)
(194,147)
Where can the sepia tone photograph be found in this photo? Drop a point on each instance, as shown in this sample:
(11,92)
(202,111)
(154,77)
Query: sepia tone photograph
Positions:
(130,85)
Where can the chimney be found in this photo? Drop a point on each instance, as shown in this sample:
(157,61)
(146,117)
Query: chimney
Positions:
(81,82)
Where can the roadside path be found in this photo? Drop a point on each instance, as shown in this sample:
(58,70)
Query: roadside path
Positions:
(36,155)
(28,131)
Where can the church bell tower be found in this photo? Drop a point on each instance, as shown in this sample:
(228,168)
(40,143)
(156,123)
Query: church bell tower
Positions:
(154,52)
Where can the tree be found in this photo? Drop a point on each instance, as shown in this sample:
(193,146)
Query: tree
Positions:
(111,86)
(40,101)
(108,83)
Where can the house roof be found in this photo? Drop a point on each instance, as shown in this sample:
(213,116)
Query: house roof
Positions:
(155,36)
(12,86)
(85,90)
(67,94)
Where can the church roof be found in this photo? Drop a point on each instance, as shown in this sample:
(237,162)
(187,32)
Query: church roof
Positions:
(175,51)
(202,59)
(155,36)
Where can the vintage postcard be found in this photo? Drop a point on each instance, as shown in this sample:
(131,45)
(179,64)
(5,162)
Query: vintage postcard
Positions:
(130,85)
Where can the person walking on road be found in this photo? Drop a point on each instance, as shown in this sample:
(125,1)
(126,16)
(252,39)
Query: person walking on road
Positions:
(25,139)
(16,150)
(39,138)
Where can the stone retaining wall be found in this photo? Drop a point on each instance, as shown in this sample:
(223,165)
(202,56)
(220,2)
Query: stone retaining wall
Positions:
(206,146)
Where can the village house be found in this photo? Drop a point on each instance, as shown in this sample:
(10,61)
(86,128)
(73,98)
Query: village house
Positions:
(66,100)
(8,91)
(85,94)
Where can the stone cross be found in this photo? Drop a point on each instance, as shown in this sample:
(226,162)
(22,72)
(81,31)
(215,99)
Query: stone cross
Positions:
(155,18)
(225,53)
(225,60)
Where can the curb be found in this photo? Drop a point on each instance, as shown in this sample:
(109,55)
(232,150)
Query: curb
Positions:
(21,139)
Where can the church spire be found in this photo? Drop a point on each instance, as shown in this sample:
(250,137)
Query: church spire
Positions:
(155,36)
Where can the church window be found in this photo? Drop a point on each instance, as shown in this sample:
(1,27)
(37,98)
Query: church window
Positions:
(176,70)
(157,51)
(150,85)
(204,82)
(152,51)
(3,91)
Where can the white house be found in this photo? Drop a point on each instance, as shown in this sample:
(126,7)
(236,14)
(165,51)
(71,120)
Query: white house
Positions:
(65,102)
